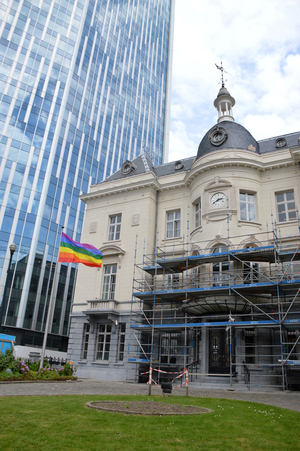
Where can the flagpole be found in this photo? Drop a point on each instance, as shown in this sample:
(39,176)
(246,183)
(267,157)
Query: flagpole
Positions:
(50,313)
(79,253)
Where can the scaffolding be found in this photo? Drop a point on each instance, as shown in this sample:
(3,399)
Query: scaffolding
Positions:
(230,314)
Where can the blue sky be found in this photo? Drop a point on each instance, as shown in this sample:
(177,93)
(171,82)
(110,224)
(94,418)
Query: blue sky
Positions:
(259,42)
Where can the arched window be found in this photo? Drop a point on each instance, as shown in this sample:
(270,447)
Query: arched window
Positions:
(221,268)
(196,274)
(250,270)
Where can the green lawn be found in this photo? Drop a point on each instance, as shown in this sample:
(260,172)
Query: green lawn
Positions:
(65,423)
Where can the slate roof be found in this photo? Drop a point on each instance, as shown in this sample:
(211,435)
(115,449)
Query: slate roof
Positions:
(169,168)
(144,164)
(238,138)
(269,144)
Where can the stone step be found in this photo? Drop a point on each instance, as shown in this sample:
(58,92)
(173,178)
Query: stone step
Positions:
(218,386)
(236,386)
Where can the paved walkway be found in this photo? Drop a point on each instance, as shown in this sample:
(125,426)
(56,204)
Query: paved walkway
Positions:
(287,400)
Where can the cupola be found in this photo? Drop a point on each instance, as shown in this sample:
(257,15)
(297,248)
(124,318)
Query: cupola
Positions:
(224,103)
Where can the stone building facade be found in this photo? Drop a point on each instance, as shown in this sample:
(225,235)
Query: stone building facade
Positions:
(232,195)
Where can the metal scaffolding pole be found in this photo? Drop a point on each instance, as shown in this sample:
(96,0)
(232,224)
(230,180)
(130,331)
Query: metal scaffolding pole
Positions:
(263,301)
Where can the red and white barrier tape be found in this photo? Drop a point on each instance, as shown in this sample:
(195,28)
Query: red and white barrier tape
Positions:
(179,385)
(180,375)
(154,382)
(164,372)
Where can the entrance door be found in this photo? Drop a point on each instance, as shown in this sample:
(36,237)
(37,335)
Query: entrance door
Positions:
(219,351)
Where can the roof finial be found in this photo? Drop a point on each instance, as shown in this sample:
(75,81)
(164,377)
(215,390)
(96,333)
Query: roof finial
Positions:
(221,68)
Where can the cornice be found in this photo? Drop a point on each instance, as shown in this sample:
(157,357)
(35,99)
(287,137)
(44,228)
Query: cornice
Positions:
(111,249)
(116,188)
(224,160)
(219,160)
(173,186)
(295,153)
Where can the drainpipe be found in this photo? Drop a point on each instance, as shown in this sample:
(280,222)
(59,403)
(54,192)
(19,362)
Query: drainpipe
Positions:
(155,230)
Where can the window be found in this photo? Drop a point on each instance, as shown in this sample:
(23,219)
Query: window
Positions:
(196,277)
(169,348)
(86,336)
(286,207)
(198,214)
(171,281)
(173,224)
(293,345)
(103,342)
(290,271)
(251,272)
(250,346)
(109,282)
(114,227)
(247,206)
(250,269)
(220,269)
(121,343)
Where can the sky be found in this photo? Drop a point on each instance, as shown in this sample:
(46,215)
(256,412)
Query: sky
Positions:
(259,44)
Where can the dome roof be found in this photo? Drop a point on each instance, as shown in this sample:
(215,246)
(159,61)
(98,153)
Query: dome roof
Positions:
(227,135)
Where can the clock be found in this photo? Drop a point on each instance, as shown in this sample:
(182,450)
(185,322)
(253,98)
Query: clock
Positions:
(218,200)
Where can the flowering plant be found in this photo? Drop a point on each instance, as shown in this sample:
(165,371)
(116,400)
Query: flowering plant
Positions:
(22,367)
(21,370)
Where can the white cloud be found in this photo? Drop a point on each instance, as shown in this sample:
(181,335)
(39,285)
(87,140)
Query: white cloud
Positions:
(180,142)
(260,47)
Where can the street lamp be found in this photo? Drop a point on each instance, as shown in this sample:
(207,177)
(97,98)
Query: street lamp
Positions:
(12,248)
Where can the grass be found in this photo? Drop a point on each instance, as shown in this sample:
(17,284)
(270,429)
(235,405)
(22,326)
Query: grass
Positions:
(65,423)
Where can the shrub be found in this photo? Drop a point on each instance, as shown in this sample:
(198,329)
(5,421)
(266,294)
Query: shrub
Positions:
(30,370)
(8,361)
(67,370)
(35,366)
(22,367)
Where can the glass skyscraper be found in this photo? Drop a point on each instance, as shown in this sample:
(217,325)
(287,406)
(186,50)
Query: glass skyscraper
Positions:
(84,85)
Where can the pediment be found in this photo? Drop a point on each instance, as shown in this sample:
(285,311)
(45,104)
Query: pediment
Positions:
(251,241)
(217,183)
(111,249)
(218,241)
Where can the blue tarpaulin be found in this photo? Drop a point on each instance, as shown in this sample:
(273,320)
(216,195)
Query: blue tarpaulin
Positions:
(6,342)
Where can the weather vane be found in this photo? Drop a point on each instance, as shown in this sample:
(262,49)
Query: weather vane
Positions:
(221,68)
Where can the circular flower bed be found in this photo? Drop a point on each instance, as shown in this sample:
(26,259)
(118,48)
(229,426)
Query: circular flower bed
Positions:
(147,408)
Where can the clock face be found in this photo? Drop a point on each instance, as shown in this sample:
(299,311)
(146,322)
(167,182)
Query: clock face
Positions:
(218,199)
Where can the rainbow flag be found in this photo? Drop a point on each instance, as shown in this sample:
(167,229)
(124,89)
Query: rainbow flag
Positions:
(72,252)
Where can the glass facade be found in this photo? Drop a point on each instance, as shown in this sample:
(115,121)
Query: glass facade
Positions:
(83,87)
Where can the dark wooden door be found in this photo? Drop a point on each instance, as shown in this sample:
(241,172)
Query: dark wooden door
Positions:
(219,351)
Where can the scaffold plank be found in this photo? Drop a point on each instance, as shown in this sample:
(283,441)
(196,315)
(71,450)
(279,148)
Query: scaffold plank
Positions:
(171,264)
(292,323)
